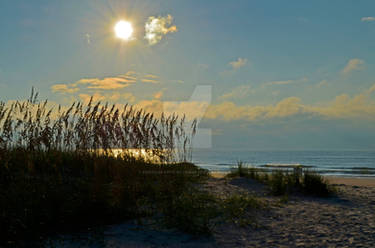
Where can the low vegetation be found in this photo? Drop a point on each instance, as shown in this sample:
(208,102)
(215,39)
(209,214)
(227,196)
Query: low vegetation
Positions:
(286,182)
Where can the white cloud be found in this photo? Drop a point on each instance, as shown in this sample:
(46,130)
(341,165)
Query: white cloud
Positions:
(368,19)
(240,62)
(353,65)
(157,27)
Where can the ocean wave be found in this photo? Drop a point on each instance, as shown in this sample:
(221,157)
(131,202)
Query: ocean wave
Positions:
(287,166)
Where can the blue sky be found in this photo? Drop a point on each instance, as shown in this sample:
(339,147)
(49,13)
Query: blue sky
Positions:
(284,75)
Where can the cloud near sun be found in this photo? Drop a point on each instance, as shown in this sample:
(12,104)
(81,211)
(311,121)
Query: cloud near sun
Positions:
(157,27)
(107,83)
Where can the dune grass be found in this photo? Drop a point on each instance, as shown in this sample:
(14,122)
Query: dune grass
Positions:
(286,182)
(58,170)
(43,191)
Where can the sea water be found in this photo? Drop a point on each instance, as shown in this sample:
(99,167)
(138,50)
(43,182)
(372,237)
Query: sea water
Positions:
(336,163)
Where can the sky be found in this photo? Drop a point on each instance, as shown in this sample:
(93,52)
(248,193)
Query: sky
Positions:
(259,75)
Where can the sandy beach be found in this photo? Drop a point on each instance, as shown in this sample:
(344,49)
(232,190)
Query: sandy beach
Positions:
(345,220)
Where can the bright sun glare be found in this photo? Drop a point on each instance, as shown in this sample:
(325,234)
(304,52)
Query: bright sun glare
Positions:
(124,30)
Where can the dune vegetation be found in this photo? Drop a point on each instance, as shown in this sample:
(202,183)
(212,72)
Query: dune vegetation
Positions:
(280,182)
(68,169)
(58,170)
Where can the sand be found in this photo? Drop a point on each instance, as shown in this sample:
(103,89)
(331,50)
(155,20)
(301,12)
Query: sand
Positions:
(346,220)
(363,182)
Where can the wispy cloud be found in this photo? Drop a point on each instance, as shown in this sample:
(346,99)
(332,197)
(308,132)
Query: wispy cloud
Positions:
(158,94)
(150,78)
(109,83)
(157,27)
(238,92)
(106,83)
(353,65)
(322,83)
(147,80)
(240,62)
(368,19)
(286,82)
(88,38)
(64,88)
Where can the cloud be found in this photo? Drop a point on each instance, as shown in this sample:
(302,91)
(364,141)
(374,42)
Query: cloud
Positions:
(322,83)
(177,81)
(85,98)
(368,19)
(88,38)
(238,92)
(115,97)
(107,83)
(353,65)
(146,80)
(240,62)
(360,106)
(112,98)
(64,88)
(158,94)
(229,111)
(286,82)
(150,78)
(157,27)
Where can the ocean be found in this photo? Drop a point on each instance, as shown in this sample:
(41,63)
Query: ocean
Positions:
(334,163)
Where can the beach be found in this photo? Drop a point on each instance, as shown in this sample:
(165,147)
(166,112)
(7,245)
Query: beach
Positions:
(344,220)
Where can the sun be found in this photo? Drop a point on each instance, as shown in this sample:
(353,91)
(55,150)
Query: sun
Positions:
(124,30)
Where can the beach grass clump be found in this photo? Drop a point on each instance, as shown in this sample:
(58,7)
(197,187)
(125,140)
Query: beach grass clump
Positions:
(315,184)
(239,208)
(282,183)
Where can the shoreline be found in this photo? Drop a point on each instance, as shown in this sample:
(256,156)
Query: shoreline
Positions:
(351,181)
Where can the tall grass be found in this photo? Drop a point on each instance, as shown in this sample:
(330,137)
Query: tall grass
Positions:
(94,127)
(57,171)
